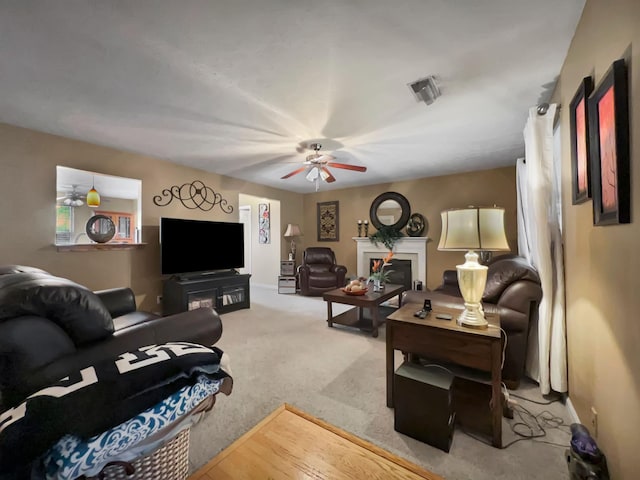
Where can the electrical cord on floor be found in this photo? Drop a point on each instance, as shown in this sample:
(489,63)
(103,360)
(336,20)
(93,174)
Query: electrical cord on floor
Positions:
(534,401)
(531,427)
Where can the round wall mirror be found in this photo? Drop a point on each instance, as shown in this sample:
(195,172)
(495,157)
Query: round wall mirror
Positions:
(100,228)
(390,209)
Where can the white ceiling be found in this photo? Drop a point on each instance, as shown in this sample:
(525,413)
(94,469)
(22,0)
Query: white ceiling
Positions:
(234,87)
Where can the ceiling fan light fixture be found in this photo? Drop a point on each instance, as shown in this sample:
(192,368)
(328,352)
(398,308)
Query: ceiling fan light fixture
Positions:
(313,174)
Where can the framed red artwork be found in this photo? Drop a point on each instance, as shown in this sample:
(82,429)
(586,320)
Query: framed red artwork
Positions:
(579,123)
(609,141)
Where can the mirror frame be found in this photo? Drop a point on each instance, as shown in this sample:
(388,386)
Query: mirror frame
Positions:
(404,205)
(100,237)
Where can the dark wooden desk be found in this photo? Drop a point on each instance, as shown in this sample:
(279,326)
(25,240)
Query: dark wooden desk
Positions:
(445,340)
(355,317)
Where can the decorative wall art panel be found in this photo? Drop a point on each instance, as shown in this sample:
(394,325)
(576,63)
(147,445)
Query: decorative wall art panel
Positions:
(579,120)
(328,222)
(609,131)
(264,223)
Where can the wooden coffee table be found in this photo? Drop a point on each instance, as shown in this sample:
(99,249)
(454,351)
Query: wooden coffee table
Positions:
(445,340)
(371,301)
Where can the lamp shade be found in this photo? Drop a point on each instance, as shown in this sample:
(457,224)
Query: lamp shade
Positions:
(293,230)
(473,228)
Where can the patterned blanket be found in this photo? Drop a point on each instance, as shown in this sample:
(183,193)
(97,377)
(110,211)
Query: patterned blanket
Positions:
(100,397)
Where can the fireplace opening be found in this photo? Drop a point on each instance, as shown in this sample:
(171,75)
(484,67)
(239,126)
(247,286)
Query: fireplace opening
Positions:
(399,271)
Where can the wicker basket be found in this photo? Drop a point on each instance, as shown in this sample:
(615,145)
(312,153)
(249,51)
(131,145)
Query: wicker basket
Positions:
(169,462)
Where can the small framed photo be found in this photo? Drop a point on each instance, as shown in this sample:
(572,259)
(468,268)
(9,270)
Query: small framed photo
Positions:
(609,141)
(579,127)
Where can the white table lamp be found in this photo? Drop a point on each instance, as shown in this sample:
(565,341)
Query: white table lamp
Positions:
(473,228)
(292,231)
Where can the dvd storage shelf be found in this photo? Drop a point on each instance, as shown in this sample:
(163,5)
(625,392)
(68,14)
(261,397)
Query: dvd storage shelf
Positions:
(225,292)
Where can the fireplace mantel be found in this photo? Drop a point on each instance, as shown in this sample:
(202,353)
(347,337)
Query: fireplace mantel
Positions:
(412,248)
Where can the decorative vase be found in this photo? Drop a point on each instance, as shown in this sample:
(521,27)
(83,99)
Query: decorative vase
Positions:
(378,285)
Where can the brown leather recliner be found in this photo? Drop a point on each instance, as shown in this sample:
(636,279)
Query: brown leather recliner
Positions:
(319,271)
(512,291)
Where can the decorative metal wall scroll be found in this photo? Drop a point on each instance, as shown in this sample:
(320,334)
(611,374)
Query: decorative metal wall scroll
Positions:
(193,195)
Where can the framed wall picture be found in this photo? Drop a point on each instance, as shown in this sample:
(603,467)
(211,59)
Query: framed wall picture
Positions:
(264,223)
(609,141)
(328,216)
(579,121)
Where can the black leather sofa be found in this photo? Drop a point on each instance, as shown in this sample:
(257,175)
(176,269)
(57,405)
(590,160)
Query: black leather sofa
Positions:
(513,291)
(51,326)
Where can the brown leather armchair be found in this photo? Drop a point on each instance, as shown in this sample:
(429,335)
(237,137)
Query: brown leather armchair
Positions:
(319,271)
(512,291)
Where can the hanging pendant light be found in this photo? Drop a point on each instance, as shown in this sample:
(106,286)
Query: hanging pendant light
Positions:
(93,197)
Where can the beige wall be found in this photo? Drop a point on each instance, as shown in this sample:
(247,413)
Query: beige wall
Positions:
(27,212)
(603,326)
(428,196)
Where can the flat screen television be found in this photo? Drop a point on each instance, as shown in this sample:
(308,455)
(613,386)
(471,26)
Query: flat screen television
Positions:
(190,246)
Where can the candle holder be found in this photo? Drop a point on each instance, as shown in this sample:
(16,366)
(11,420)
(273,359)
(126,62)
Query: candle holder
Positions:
(359,228)
(366,228)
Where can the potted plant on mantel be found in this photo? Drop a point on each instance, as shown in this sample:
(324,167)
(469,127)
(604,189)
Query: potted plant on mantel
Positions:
(388,236)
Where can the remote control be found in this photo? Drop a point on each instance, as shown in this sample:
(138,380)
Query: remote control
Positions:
(443,316)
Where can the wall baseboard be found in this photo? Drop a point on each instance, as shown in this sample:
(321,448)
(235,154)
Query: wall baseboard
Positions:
(265,285)
(572,411)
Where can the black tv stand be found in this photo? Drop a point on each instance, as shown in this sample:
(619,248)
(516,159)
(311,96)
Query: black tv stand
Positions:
(203,275)
(224,291)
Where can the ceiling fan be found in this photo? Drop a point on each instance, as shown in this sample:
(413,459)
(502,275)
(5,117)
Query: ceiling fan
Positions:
(72,198)
(317,164)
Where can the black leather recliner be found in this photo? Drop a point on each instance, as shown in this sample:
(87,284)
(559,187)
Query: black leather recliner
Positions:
(319,272)
(51,326)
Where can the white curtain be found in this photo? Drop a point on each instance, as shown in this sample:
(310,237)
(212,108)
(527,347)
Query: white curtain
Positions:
(540,241)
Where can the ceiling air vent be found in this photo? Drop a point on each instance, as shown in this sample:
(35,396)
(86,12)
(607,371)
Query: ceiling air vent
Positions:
(425,90)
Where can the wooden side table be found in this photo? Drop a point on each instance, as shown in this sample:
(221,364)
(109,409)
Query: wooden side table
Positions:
(445,340)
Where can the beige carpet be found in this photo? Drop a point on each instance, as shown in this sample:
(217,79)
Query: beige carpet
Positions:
(282,351)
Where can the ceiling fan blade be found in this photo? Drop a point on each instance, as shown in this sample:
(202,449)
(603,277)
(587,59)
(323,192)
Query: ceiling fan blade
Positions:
(346,166)
(329,178)
(295,172)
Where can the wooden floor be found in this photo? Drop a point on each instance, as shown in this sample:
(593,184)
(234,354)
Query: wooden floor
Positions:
(292,444)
